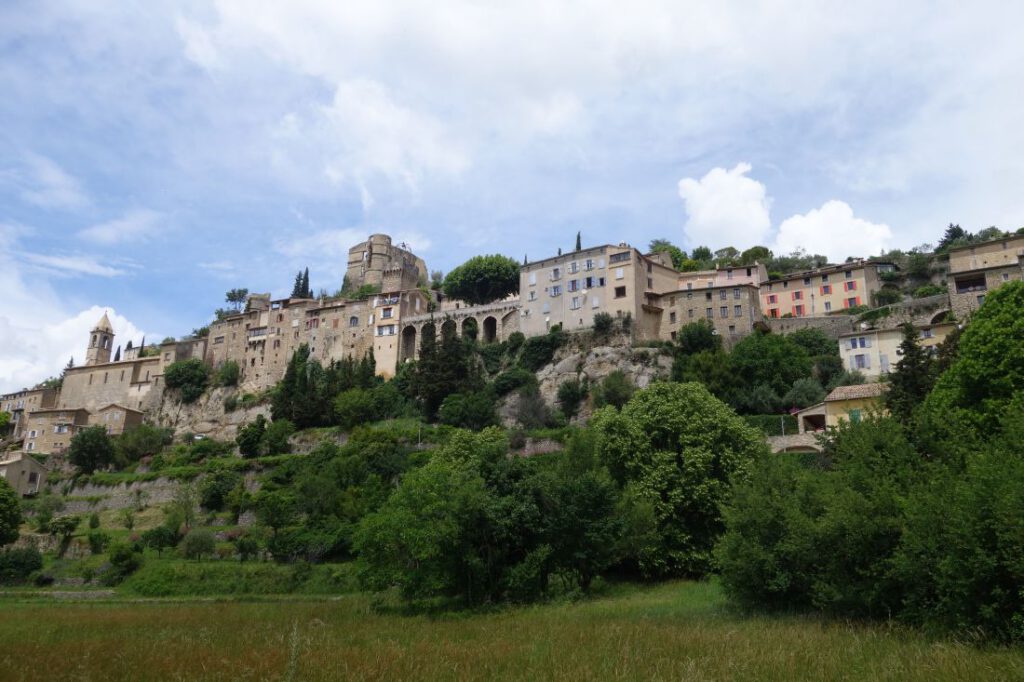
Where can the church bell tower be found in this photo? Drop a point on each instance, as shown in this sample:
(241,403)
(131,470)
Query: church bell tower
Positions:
(101,340)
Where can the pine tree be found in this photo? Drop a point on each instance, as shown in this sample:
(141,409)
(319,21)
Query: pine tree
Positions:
(306,291)
(911,378)
(579,242)
(117,354)
(297,287)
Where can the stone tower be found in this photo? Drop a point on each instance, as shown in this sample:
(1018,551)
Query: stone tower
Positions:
(379,263)
(101,340)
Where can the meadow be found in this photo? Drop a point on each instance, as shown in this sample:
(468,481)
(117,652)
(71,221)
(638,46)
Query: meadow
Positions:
(672,631)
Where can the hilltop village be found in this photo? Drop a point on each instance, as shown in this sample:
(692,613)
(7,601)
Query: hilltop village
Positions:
(116,389)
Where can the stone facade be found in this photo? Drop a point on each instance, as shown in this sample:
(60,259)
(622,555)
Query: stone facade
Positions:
(733,310)
(26,475)
(975,270)
(50,431)
(823,291)
(724,277)
(22,403)
(379,263)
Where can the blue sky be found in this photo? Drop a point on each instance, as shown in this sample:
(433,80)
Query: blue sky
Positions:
(153,155)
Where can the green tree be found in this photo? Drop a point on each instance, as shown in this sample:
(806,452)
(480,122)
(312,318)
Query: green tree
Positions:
(91,449)
(236,298)
(468,410)
(701,254)
(198,543)
(354,407)
(10,513)
(953,236)
(189,377)
(987,375)
(483,279)
(911,378)
(677,255)
(275,509)
(228,374)
(756,254)
(678,447)
(697,337)
(62,528)
(804,393)
(250,436)
(141,441)
(579,242)
(275,438)
(571,393)
(770,360)
(5,422)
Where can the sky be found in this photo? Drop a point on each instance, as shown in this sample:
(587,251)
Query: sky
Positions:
(155,154)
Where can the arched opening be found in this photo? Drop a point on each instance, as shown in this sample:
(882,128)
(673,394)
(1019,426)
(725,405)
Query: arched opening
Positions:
(490,330)
(940,316)
(470,328)
(448,328)
(408,348)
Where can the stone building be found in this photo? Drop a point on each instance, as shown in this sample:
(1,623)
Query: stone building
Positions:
(22,403)
(976,269)
(380,264)
(25,474)
(51,430)
(724,277)
(733,310)
(845,403)
(572,288)
(823,291)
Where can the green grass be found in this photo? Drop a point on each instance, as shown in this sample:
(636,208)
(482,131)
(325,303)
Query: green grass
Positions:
(675,631)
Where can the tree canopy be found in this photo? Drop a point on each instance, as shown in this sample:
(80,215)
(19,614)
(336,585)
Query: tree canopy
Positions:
(10,513)
(91,449)
(483,279)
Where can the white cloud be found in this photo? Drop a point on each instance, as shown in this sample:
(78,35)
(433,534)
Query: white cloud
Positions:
(726,208)
(70,266)
(832,230)
(50,186)
(37,334)
(132,226)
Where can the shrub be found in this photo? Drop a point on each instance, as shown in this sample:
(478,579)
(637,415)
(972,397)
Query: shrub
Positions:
(515,342)
(539,350)
(473,411)
(94,521)
(354,407)
(247,547)
(231,403)
(570,394)
(886,296)
(142,441)
(805,392)
(189,377)
(215,488)
(10,513)
(16,564)
(532,412)
(162,537)
(228,374)
(250,436)
(275,438)
(198,543)
(511,379)
(697,337)
(927,290)
(91,449)
(603,324)
(615,390)
(125,559)
(98,541)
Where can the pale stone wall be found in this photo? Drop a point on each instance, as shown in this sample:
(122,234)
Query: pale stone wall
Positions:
(380,263)
(50,431)
(997,253)
(967,290)
(732,310)
(129,383)
(821,292)
(832,326)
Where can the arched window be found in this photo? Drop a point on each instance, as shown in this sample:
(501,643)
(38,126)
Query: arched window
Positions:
(93,340)
(353,321)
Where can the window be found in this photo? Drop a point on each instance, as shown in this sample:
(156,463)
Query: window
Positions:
(772,299)
(851,302)
(798,295)
(1006,277)
(737,311)
(650,283)
(883,359)
(736,293)
(353,321)
(574,267)
(218,339)
(556,290)
(828,307)
(711,283)
(927,334)
(807,281)
(689,286)
(556,274)
(32,433)
(650,267)
(855,416)
(861,361)
(595,302)
(672,317)
(798,311)
(572,285)
(533,278)
(773,313)
(600,263)
(533,295)
(824,279)
(709,313)
(387,313)
(546,308)
(848,274)
(826,289)
(588,264)
(620,292)
(728,274)
(575,305)
(723,295)
(732,329)
(723,312)
(619,257)
(387,330)
(619,273)
(850,286)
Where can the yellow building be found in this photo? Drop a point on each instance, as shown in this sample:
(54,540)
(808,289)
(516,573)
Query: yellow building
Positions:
(25,474)
(823,291)
(873,352)
(50,431)
(846,403)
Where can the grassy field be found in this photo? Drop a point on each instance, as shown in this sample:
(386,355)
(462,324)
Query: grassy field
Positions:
(677,631)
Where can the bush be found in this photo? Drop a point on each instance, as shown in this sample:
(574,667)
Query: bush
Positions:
(215,488)
(91,449)
(603,323)
(354,407)
(539,350)
(615,390)
(515,342)
(228,374)
(275,438)
(773,424)
(198,543)
(162,537)
(886,296)
(473,411)
(231,403)
(98,541)
(805,392)
(250,436)
(189,377)
(927,290)
(17,564)
(511,379)
(125,559)
(142,441)
(570,394)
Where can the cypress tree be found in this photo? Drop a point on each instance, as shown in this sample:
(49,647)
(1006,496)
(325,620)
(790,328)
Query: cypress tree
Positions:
(306,292)
(912,377)
(579,242)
